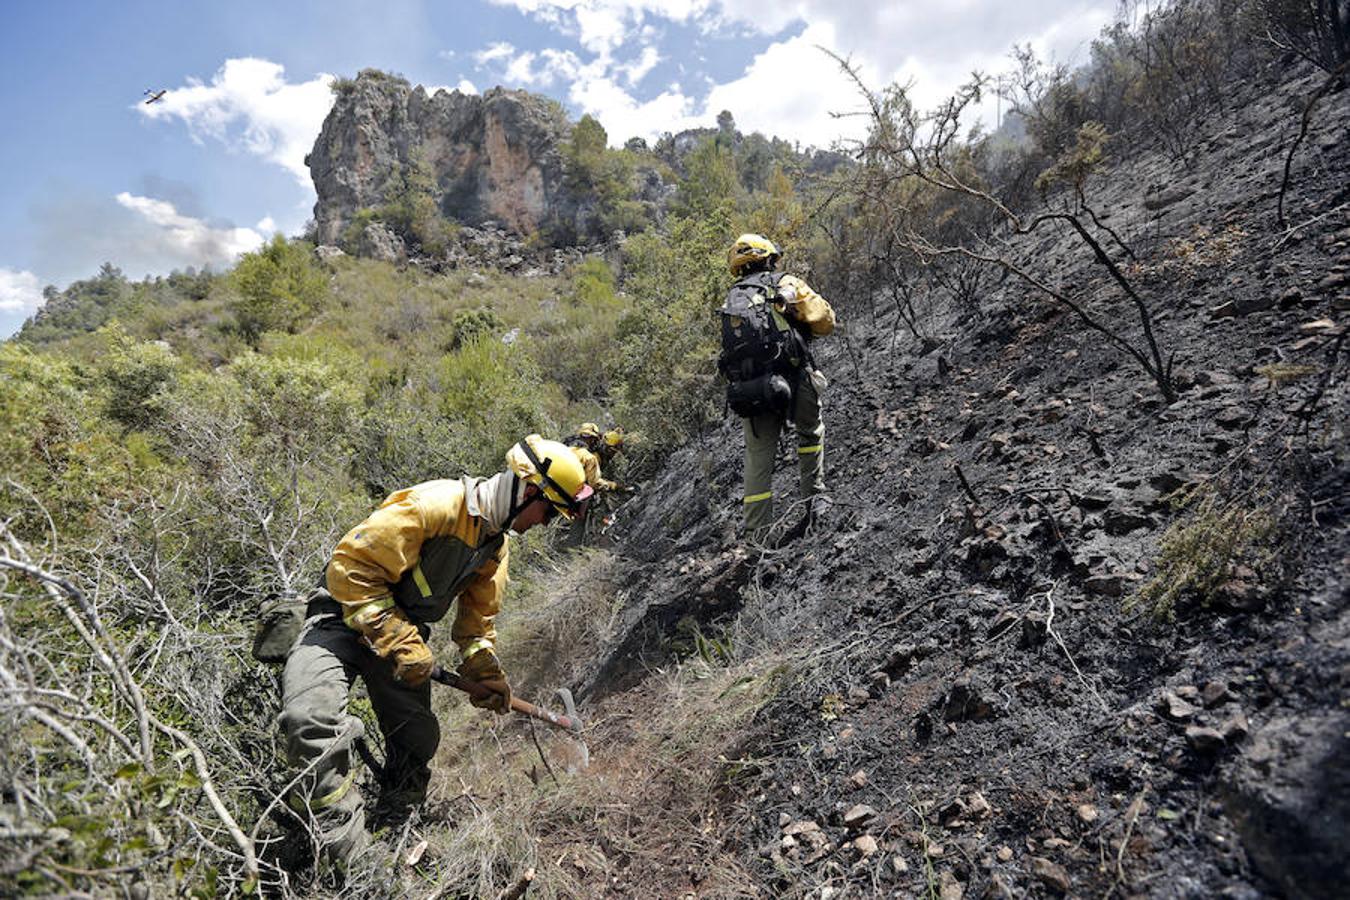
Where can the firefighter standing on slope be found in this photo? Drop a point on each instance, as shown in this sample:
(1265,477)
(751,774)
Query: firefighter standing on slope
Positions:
(389,577)
(802,315)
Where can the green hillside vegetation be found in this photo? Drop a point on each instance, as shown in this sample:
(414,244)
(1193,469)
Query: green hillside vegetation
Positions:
(192,446)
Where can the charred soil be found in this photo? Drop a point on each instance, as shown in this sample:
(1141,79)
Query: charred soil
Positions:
(1055,636)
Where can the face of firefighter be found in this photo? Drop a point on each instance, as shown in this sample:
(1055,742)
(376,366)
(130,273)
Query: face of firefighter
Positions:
(537,511)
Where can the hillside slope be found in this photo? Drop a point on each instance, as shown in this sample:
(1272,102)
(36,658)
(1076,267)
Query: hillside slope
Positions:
(962,691)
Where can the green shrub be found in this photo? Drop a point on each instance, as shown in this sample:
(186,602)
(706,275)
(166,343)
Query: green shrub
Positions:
(493,394)
(277,288)
(469,325)
(137,376)
(1198,553)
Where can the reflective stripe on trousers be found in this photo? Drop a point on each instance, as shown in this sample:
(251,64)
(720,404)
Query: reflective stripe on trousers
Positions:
(761,446)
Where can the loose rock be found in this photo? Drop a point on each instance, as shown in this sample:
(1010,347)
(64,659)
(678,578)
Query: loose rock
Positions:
(859,815)
(1052,875)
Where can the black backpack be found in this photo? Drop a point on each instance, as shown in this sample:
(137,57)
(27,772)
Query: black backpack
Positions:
(762,353)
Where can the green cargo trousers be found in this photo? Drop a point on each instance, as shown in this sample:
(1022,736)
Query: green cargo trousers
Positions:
(761,446)
(320,733)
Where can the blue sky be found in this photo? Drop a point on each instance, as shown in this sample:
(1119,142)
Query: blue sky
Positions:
(88,174)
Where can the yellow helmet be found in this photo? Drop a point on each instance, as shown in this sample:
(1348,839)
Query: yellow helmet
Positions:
(749,249)
(614,438)
(589,430)
(555,469)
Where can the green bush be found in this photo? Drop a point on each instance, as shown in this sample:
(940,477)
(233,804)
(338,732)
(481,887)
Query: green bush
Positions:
(668,340)
(137,376)
(469,325)
(277,288)
(493,394)
(1198,554)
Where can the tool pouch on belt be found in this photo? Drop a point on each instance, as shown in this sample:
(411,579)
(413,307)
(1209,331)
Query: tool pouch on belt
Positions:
(279,622)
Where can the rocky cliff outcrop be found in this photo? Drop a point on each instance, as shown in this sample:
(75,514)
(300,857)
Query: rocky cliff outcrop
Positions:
(493,157)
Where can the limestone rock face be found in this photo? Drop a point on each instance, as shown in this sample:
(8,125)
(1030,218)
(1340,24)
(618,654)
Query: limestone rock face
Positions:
(491,158)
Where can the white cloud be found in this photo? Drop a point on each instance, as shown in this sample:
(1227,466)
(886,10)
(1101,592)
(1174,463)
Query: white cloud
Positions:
(495,52)
(266,225)
(249,105)
(185,240)
(791,88)
(466,86)
(20,291)
(600,26)
(638,69)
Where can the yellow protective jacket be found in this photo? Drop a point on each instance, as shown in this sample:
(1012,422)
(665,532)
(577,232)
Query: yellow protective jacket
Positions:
(591,463)
(404,565)
(804,305)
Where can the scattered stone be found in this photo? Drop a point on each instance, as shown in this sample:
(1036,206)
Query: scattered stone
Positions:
(978,807)
(902,655)
(1235,728)
(1122,521)
(1215,693)
(1035,629)
(998,888)
(877,683)
(1087,813)
(1167,197)
(858,816)
(1052,875)
(1232,417)
(1176,708)
(1320,326)
(1290,298)
(378,242)
(966,702)
(328,253)
(948,887)
(784,820)
(1333,281)
(801,827)
(1203,738)
(1243,307)
(858,779)
(898,865)
(953,815)
(859,693)
(1112,585)
(866,845)
(1004,854)
(936,851)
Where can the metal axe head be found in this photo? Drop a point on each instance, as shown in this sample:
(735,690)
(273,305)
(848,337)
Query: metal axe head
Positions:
(580,758)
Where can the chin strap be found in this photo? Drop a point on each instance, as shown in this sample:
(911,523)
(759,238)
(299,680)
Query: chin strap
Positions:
(517,495)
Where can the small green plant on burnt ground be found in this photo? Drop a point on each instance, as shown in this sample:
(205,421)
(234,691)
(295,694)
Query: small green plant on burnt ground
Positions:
(1200,554)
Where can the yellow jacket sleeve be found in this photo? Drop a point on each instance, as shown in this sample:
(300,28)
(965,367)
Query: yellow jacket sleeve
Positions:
(806,306)
(591,464)
(479,603)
